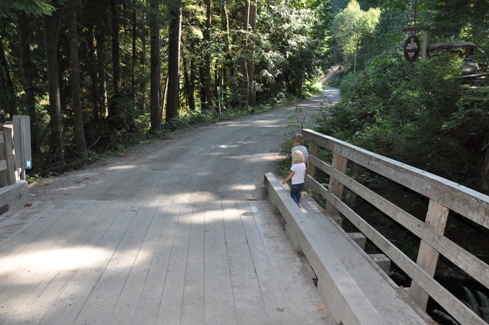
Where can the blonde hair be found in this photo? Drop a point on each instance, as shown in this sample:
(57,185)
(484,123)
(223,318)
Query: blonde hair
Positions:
(297,156)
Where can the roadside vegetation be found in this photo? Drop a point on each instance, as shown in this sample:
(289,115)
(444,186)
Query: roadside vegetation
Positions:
(427,114)
(421,113)
(116,76)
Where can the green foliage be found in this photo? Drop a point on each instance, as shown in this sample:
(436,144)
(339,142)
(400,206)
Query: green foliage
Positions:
(290,50)
(30,7)
(414,113)
(285,161)
(353,30)
(479,307)
(296,122)
(388,33)
(32,178)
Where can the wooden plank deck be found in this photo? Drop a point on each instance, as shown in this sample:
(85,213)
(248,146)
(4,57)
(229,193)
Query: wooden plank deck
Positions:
(110,262)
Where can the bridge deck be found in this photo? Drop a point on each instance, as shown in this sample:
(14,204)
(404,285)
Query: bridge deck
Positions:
(109,262)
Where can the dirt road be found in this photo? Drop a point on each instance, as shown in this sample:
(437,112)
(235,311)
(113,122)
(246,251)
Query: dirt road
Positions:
(224,160)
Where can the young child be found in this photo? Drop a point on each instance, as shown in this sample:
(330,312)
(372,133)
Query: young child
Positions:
(297,138)
(297,174)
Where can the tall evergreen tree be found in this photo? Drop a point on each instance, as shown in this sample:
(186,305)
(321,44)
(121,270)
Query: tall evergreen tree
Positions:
(155,105)
(208,57)
(81,146)
(8,96)
(51,45)
(173,96)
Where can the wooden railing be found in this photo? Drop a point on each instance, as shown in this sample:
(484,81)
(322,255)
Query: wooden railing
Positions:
(443,196)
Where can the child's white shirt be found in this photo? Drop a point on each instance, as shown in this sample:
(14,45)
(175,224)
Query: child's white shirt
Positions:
(299,173)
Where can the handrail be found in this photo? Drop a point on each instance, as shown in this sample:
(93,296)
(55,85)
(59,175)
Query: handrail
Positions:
(444,195)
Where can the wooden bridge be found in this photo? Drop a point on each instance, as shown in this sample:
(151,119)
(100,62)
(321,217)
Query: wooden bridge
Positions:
(238,261)
(444,196)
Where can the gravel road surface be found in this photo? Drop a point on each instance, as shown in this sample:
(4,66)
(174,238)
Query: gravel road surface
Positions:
(225,160)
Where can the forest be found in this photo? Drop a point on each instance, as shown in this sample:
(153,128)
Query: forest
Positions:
(95,76)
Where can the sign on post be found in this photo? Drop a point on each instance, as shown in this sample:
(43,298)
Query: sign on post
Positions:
(411,48)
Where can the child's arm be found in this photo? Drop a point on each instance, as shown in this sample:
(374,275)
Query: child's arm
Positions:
(288,177)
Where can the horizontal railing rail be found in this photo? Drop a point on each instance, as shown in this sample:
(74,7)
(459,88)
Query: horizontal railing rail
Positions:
(443,196)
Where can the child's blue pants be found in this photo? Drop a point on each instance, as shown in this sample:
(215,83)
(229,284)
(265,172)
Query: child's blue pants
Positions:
(295,192)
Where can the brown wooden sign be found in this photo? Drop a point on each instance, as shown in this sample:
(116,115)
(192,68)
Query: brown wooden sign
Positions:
(412,48)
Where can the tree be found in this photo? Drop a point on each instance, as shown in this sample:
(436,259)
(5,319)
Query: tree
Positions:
(353,30)
(8,96)
(75,80)
(208,59)
(228,57)
(116,59)
(27,79)
(155,105)
(57,149)
(248,64)
(173,97)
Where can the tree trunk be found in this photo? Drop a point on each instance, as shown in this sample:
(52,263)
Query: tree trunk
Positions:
(75,80)
(155,106)
(174,61)
(53,85)
(189,89)
(208,59)
(202,87)
(27,79)
(93,74)
(7,81)
(142,82)
(251,63)
(134,53)
(244,63)
(99,44)
(102,81)
(228,59)
(116,58)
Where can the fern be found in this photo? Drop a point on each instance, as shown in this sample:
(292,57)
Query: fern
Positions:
(481,308)
(446,317)
(471,302)
(484,306)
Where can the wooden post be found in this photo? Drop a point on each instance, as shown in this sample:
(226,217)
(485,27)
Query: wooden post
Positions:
(3,161)
(425,44)
(313,150)
(7,132)
(22,143)
(428,257)
(335,187)
(425,29)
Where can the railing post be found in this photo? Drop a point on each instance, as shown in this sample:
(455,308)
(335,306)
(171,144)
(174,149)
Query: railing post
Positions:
(335,187)
(3,161)
(313,150)
(22,143)
(7,133)
(436,218)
